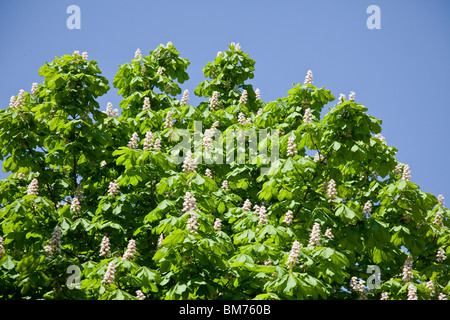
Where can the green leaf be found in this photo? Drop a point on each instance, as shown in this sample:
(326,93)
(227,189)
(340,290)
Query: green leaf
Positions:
(347,215)
(8,263)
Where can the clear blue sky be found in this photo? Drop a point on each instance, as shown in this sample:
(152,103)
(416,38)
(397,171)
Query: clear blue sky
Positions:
(400,72)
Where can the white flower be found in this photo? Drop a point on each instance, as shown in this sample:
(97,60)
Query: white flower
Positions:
(308,116)
(351,96)
(219,53)
(247,205)
(2,248)
(131,250)
(148,140)
(314,236)
(185,98)
(207,140)
(192,223)
(109,110)
(208,173)
(256,209)
(108,278)
(440,255)
(189,164)
(217,224)
(19,102)
(407,274)
(113,188)
(341,97)
(398,168)
(438,219)
(157,144)
(289,217)
(190,203)
(33,188)
(260,112)
(137,53)
(140,295)
(75,206)
(406,175)
(308,78)
(358,286)
(353,282)
(241,118)
(237,47)
(168,123)
(54,245)
(84,55)
(442,296)
(292,147)
(225,185)
(384,296)
(34,87)
(243,99)
(367,210)
(379,136)
(133,141)
(412,292)
(441,199)
(293,255)
(214,100)
(105,249)
(258,94)
(432,287)
(318,157)
(160,241)
(146,105)
(328,234)
(262,215)
(103,164)
(12,102)
(331,189)
(160,71)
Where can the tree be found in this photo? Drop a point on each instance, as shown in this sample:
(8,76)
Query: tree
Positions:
(152,204)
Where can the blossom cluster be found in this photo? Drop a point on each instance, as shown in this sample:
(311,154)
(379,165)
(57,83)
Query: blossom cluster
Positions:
(407,273)
(314,237)
(292,147)
(189,164)
(293,255)
(2,248)
(110,113)
(189,203)
(109,276)
(54,246)
(105,249)
(33,188)
(131,250)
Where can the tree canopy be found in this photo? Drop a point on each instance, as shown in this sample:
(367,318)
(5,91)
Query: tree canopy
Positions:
(171,201)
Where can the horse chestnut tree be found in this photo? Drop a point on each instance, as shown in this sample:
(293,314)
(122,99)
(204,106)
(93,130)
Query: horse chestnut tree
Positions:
(299,210)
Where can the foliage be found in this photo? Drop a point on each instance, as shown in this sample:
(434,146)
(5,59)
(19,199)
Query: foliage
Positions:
(58,136)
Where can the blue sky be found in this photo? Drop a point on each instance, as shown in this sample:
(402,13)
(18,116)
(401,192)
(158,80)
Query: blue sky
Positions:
(401,72)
